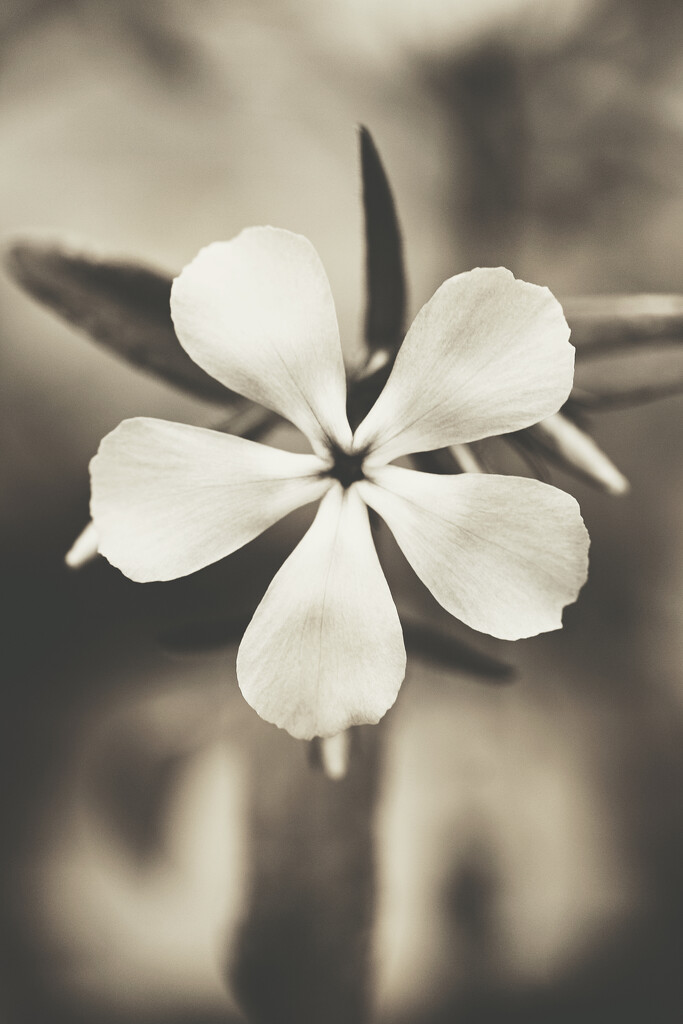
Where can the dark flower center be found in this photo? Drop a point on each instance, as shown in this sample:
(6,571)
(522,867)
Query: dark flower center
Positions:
(347,469)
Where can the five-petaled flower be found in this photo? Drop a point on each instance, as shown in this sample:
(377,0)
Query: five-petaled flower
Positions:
(324,650)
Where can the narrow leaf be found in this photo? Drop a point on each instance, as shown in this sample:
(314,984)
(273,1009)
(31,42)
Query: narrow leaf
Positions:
(561,441)
(533,456)
(605,323)
(249,420)
(366,385)
(121,305)
(442,461)
(626,398)
(445,649)
(386,290)
(429,642)
(459,458)
(465,457)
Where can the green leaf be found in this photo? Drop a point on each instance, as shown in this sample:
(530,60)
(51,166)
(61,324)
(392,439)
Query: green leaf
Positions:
(121,305)
(386,290)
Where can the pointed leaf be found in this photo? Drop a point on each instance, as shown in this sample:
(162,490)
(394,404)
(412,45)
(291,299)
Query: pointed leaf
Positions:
(386,302)
(435,645)
(445,649)
(442,460)
(249,420)
(563,442)
(121,305)
(365,386)
(604,323)
(625,398)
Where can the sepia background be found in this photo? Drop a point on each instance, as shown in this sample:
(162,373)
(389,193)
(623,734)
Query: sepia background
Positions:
(524,858)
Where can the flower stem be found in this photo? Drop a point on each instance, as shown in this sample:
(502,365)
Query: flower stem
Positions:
(303,949)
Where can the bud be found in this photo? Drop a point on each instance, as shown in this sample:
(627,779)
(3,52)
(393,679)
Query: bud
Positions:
(83,549)
(334,755)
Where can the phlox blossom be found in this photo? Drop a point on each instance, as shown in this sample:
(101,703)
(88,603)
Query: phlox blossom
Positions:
(488,354)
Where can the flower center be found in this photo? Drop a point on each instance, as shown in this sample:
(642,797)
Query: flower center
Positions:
(347,469)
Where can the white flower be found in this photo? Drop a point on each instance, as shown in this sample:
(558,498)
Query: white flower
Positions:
(486,355)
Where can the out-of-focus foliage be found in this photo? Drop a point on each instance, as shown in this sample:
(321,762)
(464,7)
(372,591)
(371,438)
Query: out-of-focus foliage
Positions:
(121,305)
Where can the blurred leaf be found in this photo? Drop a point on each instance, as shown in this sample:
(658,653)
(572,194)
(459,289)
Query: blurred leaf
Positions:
(610,323)
(449,651)
(534,460)
(561,441)
(249,420)
(459,458)
(442,461)
(430,642)
(386,290)
(628,376)
(626,398)
(364,388)
(122,305)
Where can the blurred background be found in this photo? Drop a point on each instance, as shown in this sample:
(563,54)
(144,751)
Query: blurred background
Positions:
(510,852)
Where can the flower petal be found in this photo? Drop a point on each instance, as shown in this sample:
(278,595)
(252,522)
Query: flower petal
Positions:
(168,499)
(324,649)
(503,554)
(257,314)
(486,355)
